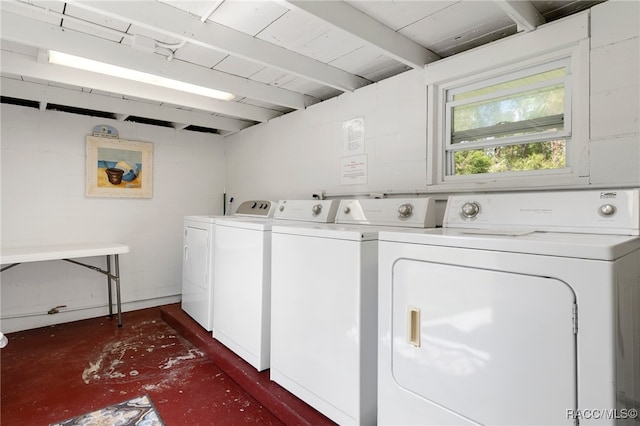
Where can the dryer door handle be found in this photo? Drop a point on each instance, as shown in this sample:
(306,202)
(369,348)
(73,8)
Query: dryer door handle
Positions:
(413,326)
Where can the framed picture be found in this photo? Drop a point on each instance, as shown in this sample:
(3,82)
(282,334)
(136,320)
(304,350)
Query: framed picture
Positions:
(119,168)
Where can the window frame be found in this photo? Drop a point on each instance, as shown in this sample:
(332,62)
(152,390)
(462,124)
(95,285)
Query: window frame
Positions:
(451,148)
(519,55)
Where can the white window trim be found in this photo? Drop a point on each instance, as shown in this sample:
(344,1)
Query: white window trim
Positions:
(568,37)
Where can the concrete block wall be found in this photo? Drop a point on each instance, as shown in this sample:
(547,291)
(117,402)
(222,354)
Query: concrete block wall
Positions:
(301,153)
(44,203)
(615,93)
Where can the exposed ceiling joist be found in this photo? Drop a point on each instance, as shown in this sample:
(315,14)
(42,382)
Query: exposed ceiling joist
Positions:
(523,13)
(275,56)
(23,30)
(179,126)
(184,26)
(353,21)
(54,95)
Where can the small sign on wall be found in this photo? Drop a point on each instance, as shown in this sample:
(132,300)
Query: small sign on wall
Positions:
(353,136)
(354,169)
(119,168)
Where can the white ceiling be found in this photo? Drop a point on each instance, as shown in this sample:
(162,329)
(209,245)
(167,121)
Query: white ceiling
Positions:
(275,56)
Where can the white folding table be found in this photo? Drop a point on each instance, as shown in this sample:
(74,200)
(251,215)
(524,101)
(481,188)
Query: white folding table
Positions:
(14,256)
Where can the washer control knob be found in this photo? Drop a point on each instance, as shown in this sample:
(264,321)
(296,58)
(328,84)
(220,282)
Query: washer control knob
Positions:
(470,210)
(405,210)
(347,210)
(281,208)
(316,209)
(607,210)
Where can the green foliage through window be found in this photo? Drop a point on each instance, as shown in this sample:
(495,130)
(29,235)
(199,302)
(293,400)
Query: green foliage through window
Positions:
(533,156)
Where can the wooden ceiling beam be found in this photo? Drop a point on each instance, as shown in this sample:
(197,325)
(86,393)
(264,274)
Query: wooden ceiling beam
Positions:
(347,18)
(184,26)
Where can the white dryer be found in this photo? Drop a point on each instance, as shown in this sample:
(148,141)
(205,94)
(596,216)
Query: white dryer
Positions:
(242,289)
(523,310)
(198,259)
(324,305)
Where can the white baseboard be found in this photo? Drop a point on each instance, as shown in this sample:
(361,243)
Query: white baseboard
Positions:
(37,320)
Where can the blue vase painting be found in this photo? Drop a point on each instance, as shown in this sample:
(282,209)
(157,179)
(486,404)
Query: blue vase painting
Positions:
(118,167)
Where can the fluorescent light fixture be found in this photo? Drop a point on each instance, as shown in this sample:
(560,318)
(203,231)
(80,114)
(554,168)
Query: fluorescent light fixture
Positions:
(78,62)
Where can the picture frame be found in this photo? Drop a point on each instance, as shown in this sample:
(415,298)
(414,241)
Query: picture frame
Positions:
(118,168)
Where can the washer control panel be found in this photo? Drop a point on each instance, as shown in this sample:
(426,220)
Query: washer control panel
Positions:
(588,211)
(319,211)
(256,208)
(405,212)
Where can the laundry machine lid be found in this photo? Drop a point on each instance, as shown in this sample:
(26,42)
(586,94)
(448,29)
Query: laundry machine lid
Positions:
(253,223)
(250,208)
(204,218)
(330,231)
(574,245)
(288,213)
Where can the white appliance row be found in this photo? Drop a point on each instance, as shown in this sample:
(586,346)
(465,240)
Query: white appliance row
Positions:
(242,277)
(523,309)
(198,259)
(249,297)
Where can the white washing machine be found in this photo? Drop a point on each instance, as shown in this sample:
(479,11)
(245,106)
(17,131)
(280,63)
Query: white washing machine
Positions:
(198,260)
(523,310)
(242,301)
(324,305)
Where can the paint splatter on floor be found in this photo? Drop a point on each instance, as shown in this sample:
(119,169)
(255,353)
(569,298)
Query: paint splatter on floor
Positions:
(152,340)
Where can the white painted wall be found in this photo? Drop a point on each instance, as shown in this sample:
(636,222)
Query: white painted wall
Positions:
(615,93)
(300,153)
(43,202)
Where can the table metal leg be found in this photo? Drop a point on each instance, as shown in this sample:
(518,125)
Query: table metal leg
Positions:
(110,277)
(117,265)
(109,286)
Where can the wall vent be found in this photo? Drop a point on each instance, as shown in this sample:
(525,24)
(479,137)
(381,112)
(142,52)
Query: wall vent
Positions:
(102,114)
(20,102)
(202,129)
(151,121)
(80,111)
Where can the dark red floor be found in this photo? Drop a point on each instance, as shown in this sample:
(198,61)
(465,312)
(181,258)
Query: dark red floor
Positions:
(54,373)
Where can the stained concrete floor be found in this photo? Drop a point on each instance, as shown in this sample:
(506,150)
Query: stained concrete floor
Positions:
(54,373)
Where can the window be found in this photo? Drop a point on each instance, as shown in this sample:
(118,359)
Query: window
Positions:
(503,118)
(515,123)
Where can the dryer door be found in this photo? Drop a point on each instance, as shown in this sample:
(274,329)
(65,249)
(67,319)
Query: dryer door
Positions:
(195,257)
(494,347)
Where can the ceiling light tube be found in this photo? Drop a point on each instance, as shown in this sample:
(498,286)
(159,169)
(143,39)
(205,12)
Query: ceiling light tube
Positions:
(78,62)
